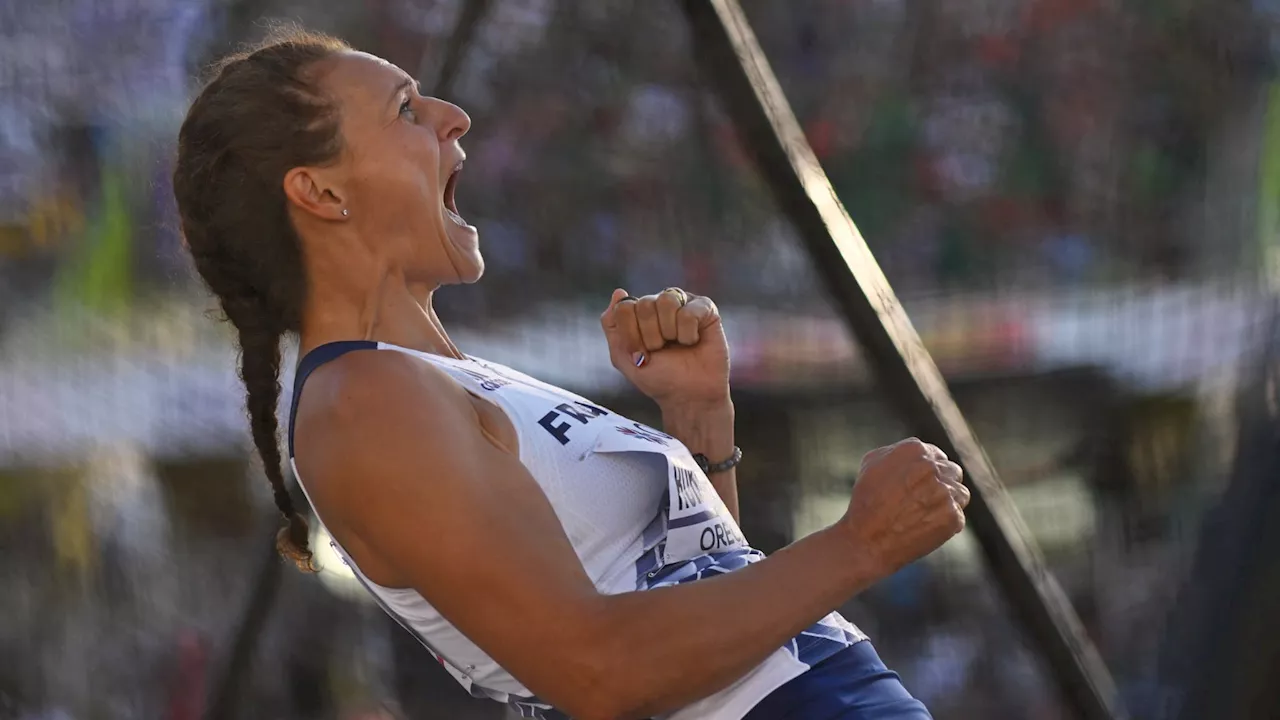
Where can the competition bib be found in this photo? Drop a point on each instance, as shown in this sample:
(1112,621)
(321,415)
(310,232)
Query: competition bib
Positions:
(697,520)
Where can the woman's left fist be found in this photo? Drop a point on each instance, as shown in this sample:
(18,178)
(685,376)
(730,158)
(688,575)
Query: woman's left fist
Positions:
(670,345)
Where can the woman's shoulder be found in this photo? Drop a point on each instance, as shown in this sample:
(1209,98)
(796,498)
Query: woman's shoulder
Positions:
(363,388)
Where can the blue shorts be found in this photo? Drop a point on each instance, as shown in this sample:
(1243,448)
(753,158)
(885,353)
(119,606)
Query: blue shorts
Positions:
(853,684)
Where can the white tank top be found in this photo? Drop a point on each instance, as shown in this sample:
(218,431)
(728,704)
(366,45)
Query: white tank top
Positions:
(638,510)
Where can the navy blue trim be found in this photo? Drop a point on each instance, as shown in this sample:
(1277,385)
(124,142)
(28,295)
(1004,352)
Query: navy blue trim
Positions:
(314,359)
(694,519)
(853,683)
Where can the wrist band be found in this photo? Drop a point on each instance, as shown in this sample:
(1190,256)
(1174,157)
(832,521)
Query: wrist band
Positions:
(710,469)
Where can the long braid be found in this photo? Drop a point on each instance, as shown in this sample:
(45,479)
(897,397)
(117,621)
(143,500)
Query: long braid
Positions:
(259,117)
(260,371)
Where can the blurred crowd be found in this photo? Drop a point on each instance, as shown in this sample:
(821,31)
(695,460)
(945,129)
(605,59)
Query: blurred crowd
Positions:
(979,146)
(982,147)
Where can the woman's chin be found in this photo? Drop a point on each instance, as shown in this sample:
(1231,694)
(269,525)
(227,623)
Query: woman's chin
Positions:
(472,270)
(468,263)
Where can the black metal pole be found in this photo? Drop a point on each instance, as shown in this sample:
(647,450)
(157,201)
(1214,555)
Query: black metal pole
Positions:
(1222,656)
(224,690)
(470,16)
(733,63)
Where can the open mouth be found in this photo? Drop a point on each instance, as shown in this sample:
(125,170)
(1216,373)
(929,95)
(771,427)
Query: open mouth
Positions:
(450,204)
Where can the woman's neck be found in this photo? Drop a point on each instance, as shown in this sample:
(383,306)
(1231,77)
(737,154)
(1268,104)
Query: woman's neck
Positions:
(398,313)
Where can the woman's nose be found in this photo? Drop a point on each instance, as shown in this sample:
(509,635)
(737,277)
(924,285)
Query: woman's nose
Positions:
(452,121)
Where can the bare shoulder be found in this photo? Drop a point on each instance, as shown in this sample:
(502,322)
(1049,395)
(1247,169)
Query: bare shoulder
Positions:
(357,386)
(370,408)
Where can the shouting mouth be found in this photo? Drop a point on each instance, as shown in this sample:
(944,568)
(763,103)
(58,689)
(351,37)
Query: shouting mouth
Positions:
(450,204)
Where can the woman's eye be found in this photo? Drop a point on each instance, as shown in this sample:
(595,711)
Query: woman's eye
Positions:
(406,106)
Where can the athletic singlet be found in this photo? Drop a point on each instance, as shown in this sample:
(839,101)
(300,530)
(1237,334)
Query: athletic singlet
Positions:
(638,510)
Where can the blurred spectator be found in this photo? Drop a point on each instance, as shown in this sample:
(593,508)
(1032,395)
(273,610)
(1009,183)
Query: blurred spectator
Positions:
(997,148)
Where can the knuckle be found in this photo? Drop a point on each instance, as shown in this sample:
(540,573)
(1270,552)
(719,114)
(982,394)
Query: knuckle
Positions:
(940,491)
(911,446)
(670,324)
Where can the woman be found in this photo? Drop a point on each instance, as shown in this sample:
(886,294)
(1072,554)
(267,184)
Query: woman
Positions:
(549,553)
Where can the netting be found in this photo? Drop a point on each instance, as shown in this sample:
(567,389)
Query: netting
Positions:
(1076,202)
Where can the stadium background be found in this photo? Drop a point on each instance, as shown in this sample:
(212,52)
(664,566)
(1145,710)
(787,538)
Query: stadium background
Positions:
(1076,200)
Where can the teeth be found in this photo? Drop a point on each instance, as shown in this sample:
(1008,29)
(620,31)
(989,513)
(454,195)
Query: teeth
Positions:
(447,210)
(456,218)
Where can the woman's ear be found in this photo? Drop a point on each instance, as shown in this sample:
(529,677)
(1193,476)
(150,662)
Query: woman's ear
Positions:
(309,190)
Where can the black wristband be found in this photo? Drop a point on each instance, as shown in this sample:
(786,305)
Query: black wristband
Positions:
(710,469)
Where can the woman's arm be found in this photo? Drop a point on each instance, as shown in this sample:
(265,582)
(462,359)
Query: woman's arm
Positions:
(707,429)
(406,478)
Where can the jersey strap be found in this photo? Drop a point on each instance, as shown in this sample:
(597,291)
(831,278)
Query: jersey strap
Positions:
(314,359)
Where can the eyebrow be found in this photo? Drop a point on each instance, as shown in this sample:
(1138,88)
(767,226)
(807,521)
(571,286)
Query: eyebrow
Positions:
(405,83)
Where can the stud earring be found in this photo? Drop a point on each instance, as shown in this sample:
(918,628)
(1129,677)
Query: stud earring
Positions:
(345,212)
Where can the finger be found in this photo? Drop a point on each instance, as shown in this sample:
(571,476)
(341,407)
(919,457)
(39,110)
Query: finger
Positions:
(935,453)
(687,331)
(704,312)
(627,330)
(647,319)
(606,318)
(912,452)
(911,445)
(950,475)
(949,471)
(668,307)
(618,352)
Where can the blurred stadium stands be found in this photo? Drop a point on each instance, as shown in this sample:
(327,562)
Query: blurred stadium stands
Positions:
(1079,203)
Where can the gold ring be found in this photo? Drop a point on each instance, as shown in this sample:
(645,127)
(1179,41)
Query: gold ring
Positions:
(682,295)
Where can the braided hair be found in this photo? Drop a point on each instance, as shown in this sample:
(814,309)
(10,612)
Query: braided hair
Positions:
(260,115)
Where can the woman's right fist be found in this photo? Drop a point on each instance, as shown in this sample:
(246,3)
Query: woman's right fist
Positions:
(907,502)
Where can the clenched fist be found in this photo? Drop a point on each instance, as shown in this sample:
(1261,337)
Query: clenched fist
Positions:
(908,501)
(670,345)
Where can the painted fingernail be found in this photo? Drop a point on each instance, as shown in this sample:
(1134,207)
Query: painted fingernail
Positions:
(637,358)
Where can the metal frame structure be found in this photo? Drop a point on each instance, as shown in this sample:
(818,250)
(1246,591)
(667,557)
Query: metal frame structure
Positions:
(1221,656)
(735,66)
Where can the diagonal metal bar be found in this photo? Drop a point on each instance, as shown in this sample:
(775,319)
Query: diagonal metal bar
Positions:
(734,64)
(1222,654)
(229,677)
(470,16)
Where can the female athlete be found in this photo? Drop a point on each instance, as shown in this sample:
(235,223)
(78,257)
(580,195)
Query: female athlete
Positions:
(550,553)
